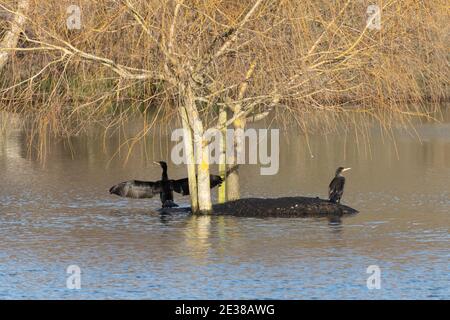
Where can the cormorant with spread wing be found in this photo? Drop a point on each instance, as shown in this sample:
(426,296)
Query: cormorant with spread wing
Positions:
(166,194)
(147,189)
(336,187)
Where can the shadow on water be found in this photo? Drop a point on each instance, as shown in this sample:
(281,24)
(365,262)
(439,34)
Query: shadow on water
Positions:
(335,222)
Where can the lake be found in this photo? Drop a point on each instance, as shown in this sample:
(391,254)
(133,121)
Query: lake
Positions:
(58,212)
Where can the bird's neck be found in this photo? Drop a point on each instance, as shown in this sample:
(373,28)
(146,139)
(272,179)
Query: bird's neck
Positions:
(164,174)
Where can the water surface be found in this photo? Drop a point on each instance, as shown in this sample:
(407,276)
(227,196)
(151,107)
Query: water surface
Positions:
(59,213)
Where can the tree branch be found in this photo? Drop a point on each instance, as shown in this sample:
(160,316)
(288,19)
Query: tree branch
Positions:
(12,36)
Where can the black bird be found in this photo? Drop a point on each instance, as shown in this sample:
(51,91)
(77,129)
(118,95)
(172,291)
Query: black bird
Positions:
(166,194)
(182,185)
(336,187)
(164,187)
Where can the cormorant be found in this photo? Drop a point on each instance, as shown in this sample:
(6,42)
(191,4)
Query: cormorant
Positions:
(336,187)
(165,187)
(166,194)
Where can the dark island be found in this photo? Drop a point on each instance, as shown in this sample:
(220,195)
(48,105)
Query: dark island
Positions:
(276,207)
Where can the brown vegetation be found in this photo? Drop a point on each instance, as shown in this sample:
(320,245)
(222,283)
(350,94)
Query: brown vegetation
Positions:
(311,62)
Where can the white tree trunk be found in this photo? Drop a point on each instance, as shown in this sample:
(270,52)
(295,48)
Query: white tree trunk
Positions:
(203,185)
(204,188)
(222,196)
(233,187)
(12,36)
(190,159)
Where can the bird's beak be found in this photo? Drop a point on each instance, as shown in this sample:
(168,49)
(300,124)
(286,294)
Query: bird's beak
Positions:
(346,169)
(156,162)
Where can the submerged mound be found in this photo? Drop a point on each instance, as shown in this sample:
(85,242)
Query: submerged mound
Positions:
(275,207)
(282,207)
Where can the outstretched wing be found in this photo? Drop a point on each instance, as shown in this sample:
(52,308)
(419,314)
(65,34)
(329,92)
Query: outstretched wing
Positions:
(136,189)
(182,185)
(336,188)
(215,180)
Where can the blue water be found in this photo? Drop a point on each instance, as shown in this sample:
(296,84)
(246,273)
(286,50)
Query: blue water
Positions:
(59,213)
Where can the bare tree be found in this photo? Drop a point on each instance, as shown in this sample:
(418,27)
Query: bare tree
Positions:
(243,59)
(10,39)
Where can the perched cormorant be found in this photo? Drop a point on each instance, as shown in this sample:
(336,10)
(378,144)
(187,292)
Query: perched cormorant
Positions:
(165,187)
(166,194)
(336,187)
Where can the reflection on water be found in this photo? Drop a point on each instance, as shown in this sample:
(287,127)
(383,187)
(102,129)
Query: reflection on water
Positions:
(60,213)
